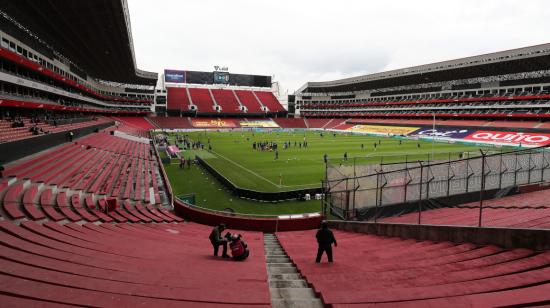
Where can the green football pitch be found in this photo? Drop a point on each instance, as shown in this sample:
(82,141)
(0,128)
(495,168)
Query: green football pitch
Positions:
(299,167)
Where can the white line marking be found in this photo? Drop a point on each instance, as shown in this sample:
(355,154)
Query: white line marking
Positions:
(250,171)
(258,175)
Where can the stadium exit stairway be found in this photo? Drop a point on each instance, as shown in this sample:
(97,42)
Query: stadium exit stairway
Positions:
(287,287)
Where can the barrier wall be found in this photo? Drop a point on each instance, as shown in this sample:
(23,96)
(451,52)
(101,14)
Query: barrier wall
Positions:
(535,239)
(246,223)
(15,150)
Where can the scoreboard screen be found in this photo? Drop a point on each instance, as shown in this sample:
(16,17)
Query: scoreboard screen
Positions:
(221,77)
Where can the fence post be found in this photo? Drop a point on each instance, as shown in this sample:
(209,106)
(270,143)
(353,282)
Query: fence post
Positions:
(354,183)
(449,175)
(500,171)
(529,169)
(420,193)
(482,188)
(516,169)
(377,188)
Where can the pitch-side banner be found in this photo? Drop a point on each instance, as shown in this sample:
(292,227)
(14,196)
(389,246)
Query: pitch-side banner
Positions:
(214,123)
(261,123)
(376,129)
(531,139)
(457,133)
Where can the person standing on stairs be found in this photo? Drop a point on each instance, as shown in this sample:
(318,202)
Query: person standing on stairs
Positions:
(325,239)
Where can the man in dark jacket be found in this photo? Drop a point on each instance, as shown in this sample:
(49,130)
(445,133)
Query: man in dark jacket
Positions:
(325,238)
(216,239)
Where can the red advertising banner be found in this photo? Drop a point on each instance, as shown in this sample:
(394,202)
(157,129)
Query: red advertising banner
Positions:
(532,139)
(214,123)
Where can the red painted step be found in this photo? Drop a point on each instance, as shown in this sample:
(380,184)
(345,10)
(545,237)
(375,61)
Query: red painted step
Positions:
(12,199)
(30,203)
(65,208)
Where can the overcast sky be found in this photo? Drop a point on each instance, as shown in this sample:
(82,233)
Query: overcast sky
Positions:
(302,40)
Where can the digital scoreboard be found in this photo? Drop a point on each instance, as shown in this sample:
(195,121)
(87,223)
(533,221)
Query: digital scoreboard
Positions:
(221,77)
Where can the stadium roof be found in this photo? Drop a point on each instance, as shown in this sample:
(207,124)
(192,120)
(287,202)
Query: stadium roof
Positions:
(519,60)
(95,35)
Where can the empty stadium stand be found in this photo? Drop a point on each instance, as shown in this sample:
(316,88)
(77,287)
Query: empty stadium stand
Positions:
(227,101)
(202,99)
(171,122)
(137,126)
(178,99)
(269,100)
(250,101)
(9,133)
(125,265)
(86,172)
(527,210)
(392,272)
(440,122)
(317,123)
(290,122)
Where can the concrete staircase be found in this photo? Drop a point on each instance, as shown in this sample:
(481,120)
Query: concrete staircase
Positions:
(287,287)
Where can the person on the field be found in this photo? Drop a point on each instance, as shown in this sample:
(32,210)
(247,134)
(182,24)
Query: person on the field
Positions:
(362,146)
(346,156)
(325,239)
(217,240)
(325,158)
(182,162)
(418,145)
(276,154)
(189,163)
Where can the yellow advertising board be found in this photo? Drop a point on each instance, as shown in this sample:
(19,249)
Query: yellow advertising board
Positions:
(214,123)
(264,124)
(377,129)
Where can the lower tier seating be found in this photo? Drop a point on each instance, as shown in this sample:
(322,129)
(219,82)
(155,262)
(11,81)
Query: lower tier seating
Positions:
(290,122)
(10,134)
(171,122)
(125,265)
(136,126)
(317,123)
(86,172)
(527,210)
(392,272)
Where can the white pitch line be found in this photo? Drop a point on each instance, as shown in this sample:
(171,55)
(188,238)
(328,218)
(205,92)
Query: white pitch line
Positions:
(261,177)
(250,171)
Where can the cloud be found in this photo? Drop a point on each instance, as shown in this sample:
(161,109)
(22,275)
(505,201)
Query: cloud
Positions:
(307,40)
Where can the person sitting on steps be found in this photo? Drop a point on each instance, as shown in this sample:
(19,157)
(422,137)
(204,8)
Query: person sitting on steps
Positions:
(239,249)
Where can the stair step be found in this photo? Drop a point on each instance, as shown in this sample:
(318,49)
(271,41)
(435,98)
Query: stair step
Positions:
(292,293)
(272,265)
(285,276)
(288,284)
(277,260)
(283,270)
(296,303)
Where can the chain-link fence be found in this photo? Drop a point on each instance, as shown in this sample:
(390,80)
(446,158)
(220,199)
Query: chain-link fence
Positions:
(353,186)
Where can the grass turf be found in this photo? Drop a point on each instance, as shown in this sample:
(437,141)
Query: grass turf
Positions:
(298,167)
(209,193)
